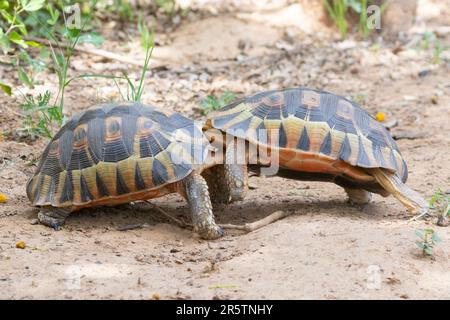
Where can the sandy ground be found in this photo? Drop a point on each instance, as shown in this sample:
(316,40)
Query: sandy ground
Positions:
(325,249)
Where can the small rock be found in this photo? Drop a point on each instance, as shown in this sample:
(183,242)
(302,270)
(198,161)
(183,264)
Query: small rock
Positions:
(176,20)
(20,245)
(140,258)
(34,221)
(424,73)
(443,221)
(156,296)
(390,124)
(434,99)
(408,135)
(204,77)
(409,98)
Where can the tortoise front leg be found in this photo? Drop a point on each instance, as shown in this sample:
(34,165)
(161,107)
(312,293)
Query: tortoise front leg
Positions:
(235,173)
(196,193)
(227,182)
(219,191)
(53,217)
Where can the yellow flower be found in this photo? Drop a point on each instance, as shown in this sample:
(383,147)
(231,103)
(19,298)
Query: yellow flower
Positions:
(3,198)
(380,116)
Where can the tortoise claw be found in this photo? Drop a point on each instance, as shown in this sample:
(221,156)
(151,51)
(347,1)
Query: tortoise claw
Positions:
(211,233)
(53,219)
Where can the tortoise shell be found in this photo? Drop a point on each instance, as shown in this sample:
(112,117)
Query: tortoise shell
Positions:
(114,154)
(317,131)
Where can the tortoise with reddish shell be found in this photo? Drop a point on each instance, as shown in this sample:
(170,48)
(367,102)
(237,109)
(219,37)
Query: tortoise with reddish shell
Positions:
(319,136)
(118,153)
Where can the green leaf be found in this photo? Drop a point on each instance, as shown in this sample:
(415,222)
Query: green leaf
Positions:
(7,16)
(420,245)
(44,53)
(23,77)
(54,18)
(4,42)
(147,37)
(33,44)
(226,98)
(32,5)
(71,34)
(92,37)
(4,4)
(428,251)
(54,15)
(21,26)
(419,233)
(17,38)
(435,237)
(6,89)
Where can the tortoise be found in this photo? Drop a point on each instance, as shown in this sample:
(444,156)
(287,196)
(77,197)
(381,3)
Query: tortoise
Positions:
(123,152)
(316,135)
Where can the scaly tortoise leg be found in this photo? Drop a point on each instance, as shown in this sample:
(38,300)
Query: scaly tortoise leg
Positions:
(394,185)
(358,196)
(196,193)
(217,186)
(53,217)
(235,175)
(228,182)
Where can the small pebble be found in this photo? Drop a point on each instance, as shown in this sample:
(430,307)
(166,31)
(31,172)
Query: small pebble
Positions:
(434,99)
(34,221)
(156,296)
(424,73)
(20,245)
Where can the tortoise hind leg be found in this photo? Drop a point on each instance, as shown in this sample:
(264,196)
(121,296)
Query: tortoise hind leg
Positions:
(358,196)
(394,185)
(196,193)
(53,217)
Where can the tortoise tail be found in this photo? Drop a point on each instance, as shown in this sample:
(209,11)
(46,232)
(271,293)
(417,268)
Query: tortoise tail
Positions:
(392,183)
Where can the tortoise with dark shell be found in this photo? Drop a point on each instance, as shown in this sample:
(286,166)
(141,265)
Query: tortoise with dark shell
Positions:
(118,153)
(319,136)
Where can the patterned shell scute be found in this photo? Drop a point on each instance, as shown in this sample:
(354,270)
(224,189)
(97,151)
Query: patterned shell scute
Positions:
(314,122)
(113,150)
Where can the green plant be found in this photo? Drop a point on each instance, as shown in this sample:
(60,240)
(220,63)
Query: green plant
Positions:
(438,49)
(43,114)
(211,103)
(441,203)
(167,6)
(12,26)
(430,41)
(135,90)
(360,98)
(123,9)
(428,239)
(338,11)
(43,117)
(6,88)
